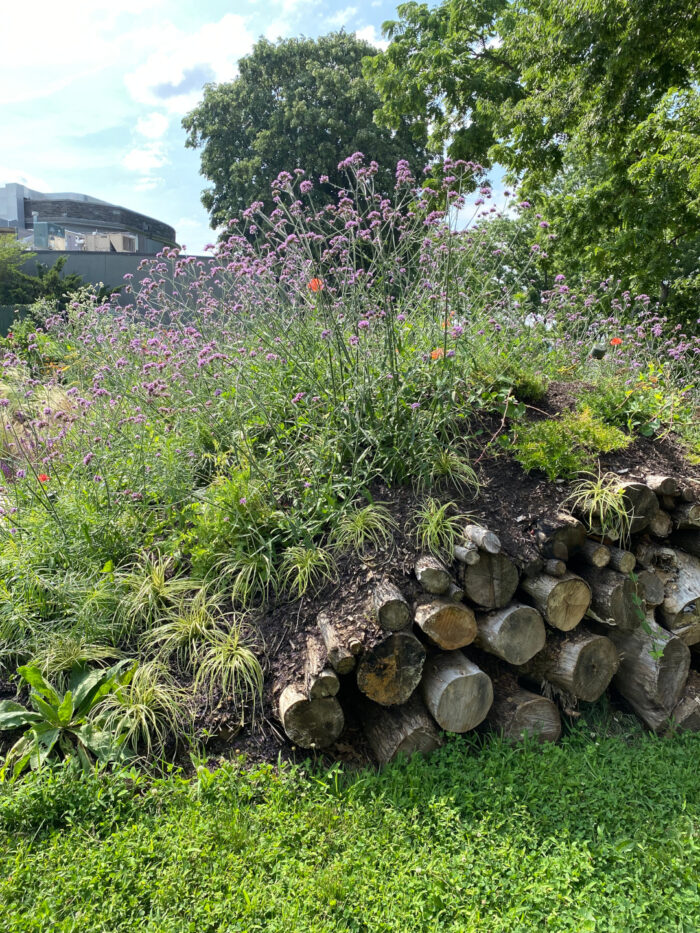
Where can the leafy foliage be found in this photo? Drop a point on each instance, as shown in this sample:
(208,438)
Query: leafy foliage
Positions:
(601,501)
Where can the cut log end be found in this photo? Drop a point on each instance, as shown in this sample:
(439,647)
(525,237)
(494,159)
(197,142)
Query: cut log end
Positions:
(515,634)
(315,723)
(432,575)
(403,730)
(391,671)
(446,623)
(492,582)
(456,691)
(519,714)
(563,602)
(393,611)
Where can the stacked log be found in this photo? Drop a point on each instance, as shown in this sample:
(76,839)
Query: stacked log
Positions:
(495,638)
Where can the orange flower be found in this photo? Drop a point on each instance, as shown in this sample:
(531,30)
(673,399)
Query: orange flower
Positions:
(437,353)
(43,478)
(315,285)
(616,341)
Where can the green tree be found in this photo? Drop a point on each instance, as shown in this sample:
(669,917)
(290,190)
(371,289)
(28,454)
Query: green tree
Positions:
(592,106)
(299,103)
(19,287)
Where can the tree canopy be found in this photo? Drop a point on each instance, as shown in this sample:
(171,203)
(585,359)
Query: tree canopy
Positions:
(592,106)
(298,103)
(19,287)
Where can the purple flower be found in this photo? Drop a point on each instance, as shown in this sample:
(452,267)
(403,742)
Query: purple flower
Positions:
(305,187)
(363,325)
(400,318)
(21,474)
(354,340)
(415,406)
(87,458)
(298,397)
(242,500)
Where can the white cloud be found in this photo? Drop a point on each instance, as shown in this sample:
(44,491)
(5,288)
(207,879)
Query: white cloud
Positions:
(10,175)
(172,76)
(370,34)
(342,16)
(145,159)
(153,125)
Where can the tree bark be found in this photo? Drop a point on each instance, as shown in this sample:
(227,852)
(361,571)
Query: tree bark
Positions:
(650,683)
(686,517)
(680,610)
(661,525)
(612,598)
(446,623)
(483,538)
(457,692)
(562,603)
(581,663)
(650,588)
(560,535)
(389,672)
(342,645)
(663,485)
(320,680)
(517,713)
(393,611)
(515,634)
(641,503)
(400,730)
(686,713)
(308,723)
(467,553)
(492,582)
(432,575)
(554,567)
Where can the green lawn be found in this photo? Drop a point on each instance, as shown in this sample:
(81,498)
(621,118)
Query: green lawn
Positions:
(591,834)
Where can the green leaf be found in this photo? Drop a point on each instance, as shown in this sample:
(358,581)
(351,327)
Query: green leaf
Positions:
(14,716)
(89,686)
(65,710)
(48,713)
(31,675)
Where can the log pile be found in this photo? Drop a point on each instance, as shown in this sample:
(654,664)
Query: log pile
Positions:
(491,639)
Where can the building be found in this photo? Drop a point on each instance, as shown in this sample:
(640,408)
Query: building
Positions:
(78,223)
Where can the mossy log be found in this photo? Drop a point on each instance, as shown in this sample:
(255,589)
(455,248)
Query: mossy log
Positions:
(447,623)
(653,670)
(399,730)
(579,662)
(517,713)
(492,582)
(467,553)
(389,672)
(562,602)
(515,633)
(456,691)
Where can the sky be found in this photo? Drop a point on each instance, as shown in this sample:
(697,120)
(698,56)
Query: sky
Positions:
(92,92)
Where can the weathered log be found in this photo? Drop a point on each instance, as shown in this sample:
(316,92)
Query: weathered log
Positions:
(308,723)
(467,553)
(554,568)
(399,730)
(686,517)
(517,713)
(562,602)
(389,672)
(342,645)
(393,611)
(680,610)
(560,535)
(492,582)
(529,565)
(432,575)
(455,593)
(663,485)
(650,588)
(457,692)
(580,662)
(446,623)
(483,538)
(613,598)
(320,680)
(653,670)
(690,493)
(515,633)
(686,713)
(688,541)
(656,557)
(667,502)
(661,524)
(641,504)
(621,560)
(594,553)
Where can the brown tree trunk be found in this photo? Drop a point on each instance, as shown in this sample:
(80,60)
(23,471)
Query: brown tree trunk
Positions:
(492,582)
(456,691)
(515,633)
(399,730)
(447,624)
(389,672)
(652,673)
(308,723)
(517,713)
(563,603)
(580,662)
(391,607)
